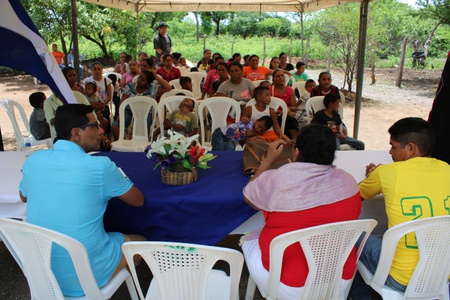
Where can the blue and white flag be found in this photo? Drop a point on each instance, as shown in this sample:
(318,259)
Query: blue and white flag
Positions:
(22,48)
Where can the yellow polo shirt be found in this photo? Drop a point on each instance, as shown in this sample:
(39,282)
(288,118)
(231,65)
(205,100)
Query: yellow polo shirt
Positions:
(416,188)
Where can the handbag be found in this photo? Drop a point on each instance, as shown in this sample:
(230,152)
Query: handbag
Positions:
(256,151)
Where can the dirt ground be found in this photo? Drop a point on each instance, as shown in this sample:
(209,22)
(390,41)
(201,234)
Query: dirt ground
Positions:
(383,102)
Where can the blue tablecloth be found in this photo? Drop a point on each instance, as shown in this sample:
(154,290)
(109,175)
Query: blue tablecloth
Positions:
(203,212)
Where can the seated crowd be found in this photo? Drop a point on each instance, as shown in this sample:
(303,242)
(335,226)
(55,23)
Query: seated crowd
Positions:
(143,77)
(335,196)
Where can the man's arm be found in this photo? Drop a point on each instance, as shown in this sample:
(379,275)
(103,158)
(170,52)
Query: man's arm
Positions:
(22,197)
(133,197)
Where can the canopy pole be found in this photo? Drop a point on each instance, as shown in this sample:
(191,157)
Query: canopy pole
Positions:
(76,52)
(138,28)
(360,68)
(303,34)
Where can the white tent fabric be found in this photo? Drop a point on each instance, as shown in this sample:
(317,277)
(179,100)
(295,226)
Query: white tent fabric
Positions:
(218,5)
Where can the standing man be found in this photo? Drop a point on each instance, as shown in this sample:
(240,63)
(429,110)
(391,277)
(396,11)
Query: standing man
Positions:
(67,190)
(162,42)
(414,186)
(58,55)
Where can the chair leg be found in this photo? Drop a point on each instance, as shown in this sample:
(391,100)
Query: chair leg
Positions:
(251,287)
(131,288)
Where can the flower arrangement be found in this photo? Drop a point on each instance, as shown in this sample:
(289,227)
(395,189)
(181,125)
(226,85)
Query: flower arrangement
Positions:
(176,153)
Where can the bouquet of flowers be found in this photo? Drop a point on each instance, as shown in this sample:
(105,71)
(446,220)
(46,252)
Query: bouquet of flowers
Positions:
(177,153)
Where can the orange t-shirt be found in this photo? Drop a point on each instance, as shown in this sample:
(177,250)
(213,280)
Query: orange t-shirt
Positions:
(58,55)
(260,73)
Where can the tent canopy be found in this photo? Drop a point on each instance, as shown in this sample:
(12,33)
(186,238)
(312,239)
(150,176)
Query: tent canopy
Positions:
(218,5)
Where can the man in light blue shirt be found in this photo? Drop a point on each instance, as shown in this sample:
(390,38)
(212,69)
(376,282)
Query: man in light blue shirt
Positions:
(67,190)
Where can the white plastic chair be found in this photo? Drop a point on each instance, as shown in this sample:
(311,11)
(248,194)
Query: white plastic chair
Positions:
(175,92)
(184,271)
(326,248)
(21,140)
(300,86)
(175,84)
(316,103)
(169,104)
(275,103)
(430,277)
(256,83)
(31,246)
(218,108)
(140,107)
(198,77)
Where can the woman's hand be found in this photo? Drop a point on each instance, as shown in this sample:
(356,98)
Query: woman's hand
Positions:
(245,120)
(275,149)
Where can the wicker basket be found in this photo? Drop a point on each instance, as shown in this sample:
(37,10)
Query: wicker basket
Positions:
(178,178)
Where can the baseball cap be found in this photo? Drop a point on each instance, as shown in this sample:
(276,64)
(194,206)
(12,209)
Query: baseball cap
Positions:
(163,24)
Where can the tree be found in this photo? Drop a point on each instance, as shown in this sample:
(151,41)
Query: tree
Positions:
(269,27)
(216,18)
(243,24)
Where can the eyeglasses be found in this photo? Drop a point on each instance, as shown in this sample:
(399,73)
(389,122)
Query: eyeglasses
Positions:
(93,124)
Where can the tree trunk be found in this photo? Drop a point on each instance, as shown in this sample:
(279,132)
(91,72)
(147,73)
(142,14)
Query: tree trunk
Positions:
(428,42)
(102,45)
(372,67)
(398,82)
(197,23)
(307,52)
(217,28)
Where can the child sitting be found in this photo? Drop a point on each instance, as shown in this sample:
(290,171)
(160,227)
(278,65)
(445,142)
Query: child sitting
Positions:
(97,103)
(183,120)
(204,65)
(301,114)
(225,138)
(300,74)
(261,108)
(186,83)
(331,118)
(38,124)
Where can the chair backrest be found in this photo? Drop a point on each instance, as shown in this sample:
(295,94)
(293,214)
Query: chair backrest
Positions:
(275,103)
(300,86)
(198,77)
(175,92)
(140,107)
(176,84)
(32,245)
(21,140)
(181,270)
(315,104)
(118,75)
(218,108)
(169,104)
(326,249)
(256,83)
(430,277)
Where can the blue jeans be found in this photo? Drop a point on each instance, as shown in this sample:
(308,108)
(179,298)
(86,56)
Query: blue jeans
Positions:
(369,257)
(357,144)
(219,141)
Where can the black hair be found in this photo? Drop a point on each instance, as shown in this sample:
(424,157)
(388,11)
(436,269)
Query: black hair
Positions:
(151,61)
(317,144)
(194,69)
(258,91)
(184,79)
(246,56)
(413,130)
(66,70)
(222,64)
(254,55)
(206,50)
(217,58)
(211,61)
(36,99)
(299,64)
(164,56)
(176,55)
(330,98)
(235,63)
(96,63)
(264,81)
(236,55)
(324,73)
(281,54)
(268,122)
(113,78)
(70,116)
(150,76)
(93,83)
(310,80)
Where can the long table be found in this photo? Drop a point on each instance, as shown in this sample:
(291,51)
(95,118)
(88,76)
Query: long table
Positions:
(203,212)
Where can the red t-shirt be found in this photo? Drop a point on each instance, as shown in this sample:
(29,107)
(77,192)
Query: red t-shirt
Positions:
(174,73)
(295,268)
